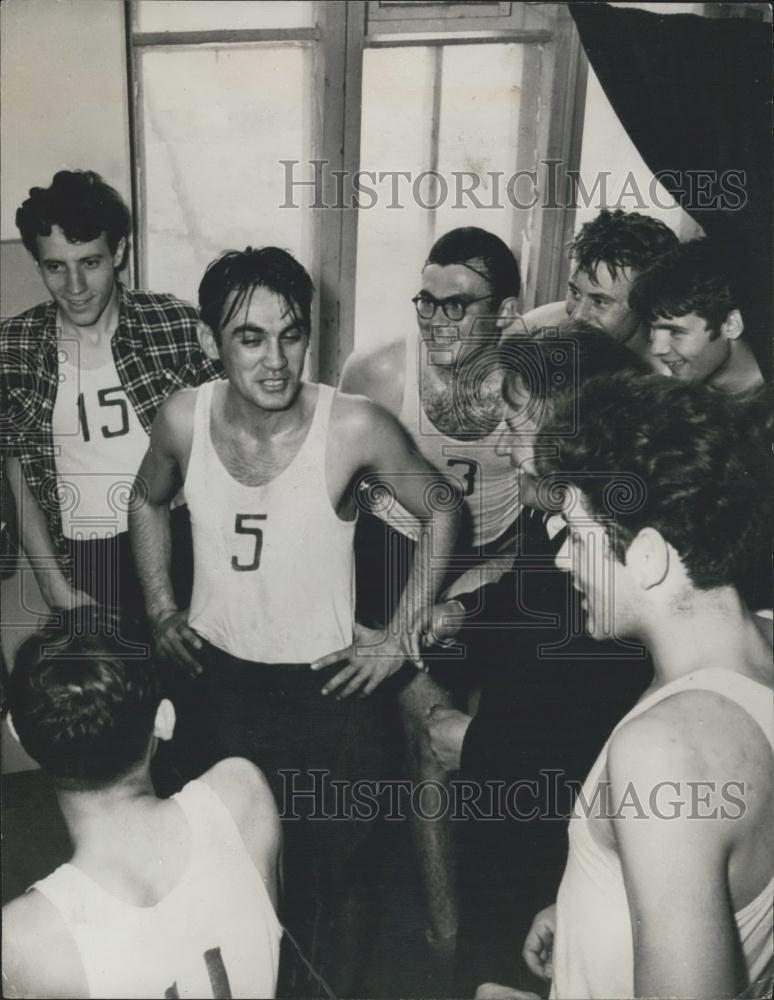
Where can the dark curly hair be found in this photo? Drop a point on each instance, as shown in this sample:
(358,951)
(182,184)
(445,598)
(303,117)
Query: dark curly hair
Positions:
(81,204)
(81,709)
(482,252)
(242,271)
(700,458)
(620,239)
(691,278)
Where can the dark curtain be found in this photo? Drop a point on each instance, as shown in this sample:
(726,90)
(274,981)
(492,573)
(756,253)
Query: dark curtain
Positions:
(694,93)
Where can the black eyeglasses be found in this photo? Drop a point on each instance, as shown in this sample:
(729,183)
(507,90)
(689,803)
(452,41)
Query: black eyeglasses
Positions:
(454,309)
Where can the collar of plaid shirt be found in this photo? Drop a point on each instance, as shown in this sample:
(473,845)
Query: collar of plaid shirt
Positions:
(155,350)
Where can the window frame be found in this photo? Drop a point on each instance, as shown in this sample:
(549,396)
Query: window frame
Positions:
(341,33)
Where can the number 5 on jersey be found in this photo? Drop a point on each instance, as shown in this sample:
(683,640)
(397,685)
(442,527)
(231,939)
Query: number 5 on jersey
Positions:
(243,527)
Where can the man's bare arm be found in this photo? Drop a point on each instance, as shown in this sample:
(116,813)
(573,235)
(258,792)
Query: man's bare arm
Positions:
(675,866)
(36,541)
(158,481)
(378,375)
(382,450)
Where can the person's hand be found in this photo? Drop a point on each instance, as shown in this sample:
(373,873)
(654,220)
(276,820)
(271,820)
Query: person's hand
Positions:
(538,950)
(446,621)
(494,991)
(371,659)
(446,728)
(176,640)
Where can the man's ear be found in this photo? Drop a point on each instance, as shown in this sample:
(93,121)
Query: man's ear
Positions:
(164,724)
(509,321)
(733,325)
(12,728)
(648,555)
(118,256)
(207,341)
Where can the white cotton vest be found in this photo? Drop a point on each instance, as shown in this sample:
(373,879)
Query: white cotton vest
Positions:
(273,564)
(100,442)
(488,482)
(215,934)
(593,950)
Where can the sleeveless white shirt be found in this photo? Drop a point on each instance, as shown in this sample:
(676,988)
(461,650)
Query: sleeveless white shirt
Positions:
(214,934)
(101,444)
(273,564)
(593,951)
(489,484)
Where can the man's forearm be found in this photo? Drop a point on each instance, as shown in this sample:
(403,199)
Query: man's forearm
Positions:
(36,541)
(434,549)
(152,549)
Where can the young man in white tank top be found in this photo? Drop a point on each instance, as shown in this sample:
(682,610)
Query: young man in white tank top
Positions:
(443,382)
(162,897)
(270,467)
(669,885)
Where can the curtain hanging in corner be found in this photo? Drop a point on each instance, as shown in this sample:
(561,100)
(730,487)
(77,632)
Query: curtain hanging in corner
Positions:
(694,93)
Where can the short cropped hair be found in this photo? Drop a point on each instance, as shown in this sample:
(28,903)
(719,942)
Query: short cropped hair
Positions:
(555,362)
(482,252)
(81,204)
(242,271)
(80,708)
(700,462)
(620,239)
(691,278)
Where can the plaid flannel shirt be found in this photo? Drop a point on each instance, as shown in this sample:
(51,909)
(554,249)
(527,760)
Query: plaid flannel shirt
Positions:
(155,350)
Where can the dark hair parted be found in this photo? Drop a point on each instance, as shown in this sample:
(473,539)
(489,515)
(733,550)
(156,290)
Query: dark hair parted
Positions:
(241,272)
(691,278)
(699,457)
(553,364)
(620,239)
(81,204)
(81,709)
(482,252)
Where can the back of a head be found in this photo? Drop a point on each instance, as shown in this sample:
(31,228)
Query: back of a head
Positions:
(81,204)
(681,458)
(691,278)
(620,239)
(482,252)
(555,362)
(241,271)
(80,708)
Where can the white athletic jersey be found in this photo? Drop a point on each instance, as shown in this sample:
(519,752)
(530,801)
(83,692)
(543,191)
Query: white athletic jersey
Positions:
(593,952)
(488,482)
(215,934)
(273,564)
(101,443)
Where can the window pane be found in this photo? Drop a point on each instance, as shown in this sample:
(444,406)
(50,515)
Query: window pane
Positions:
(204,15)
(217,120)
(478,92)
(392,242)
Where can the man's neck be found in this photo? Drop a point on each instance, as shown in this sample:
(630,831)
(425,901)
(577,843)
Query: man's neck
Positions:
(740,373)
(91,816)
(99,334)
(264,424)
(709,628)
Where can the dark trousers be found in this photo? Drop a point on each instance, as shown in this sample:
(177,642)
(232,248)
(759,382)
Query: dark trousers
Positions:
(275,716)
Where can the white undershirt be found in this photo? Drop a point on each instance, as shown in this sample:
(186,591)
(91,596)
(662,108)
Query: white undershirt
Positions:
(101,443)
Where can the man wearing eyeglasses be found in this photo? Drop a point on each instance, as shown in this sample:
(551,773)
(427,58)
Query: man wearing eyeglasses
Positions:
(445,387)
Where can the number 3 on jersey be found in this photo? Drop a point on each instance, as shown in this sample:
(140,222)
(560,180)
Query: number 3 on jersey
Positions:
(243,527)
(469,477)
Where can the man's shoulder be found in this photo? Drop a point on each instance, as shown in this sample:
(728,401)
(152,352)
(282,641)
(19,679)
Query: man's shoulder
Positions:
(39,954)
(697,728)
(551,314)
(159,308)
(24,321)
(378,374)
